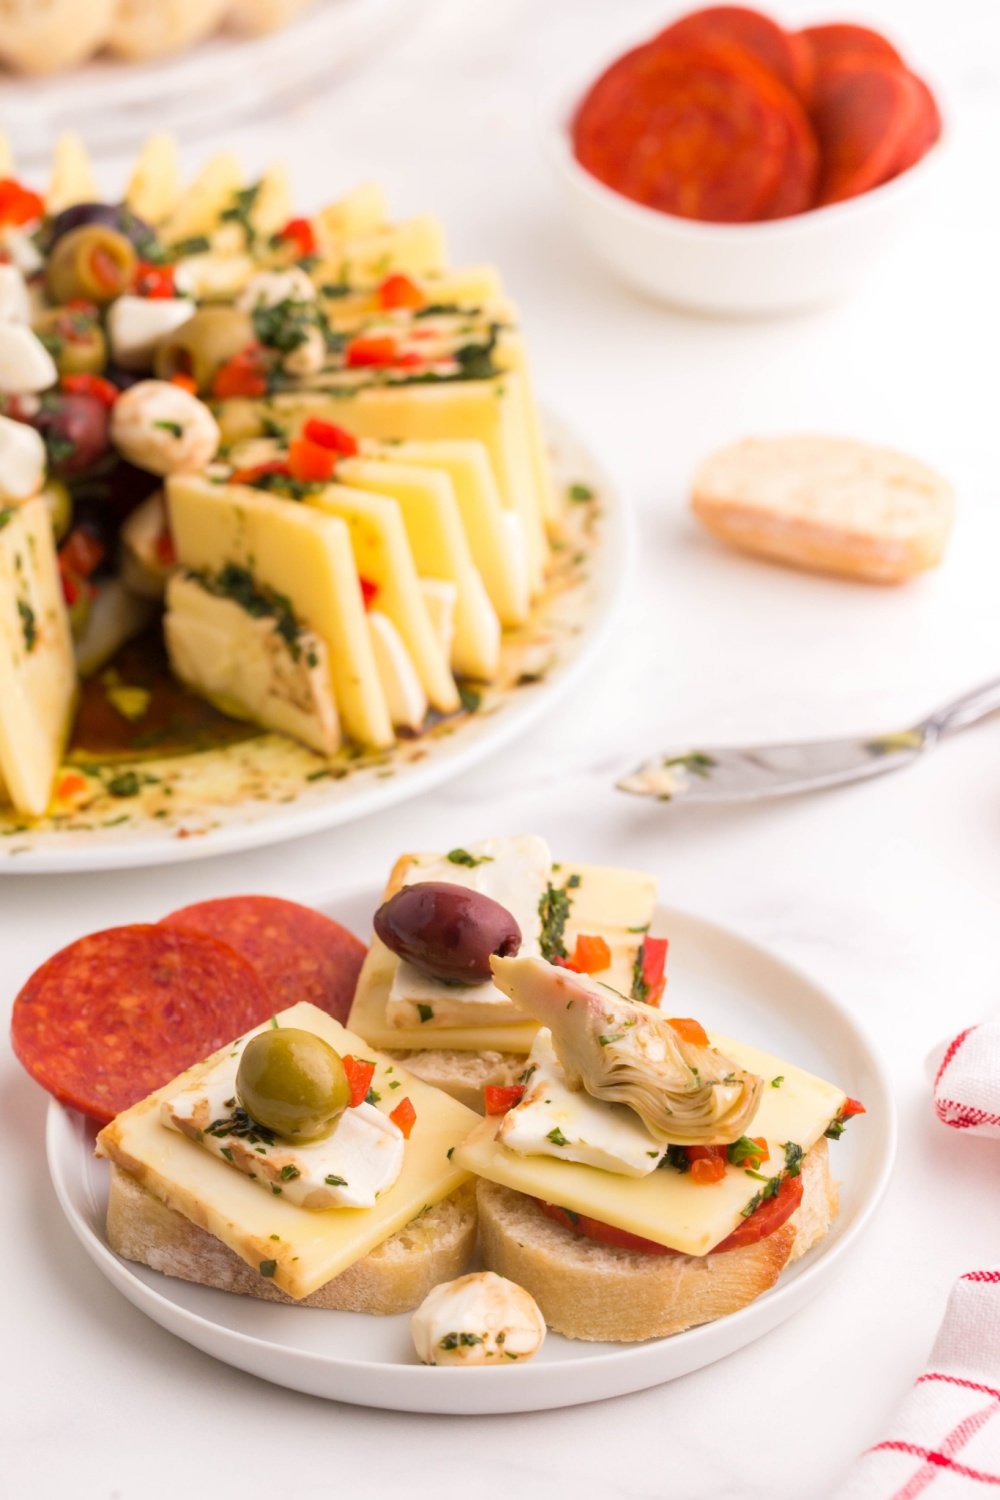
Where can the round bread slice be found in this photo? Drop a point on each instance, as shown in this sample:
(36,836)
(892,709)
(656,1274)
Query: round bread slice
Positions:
(827,504)
(393,1278)
(597,1292)
(463,1075)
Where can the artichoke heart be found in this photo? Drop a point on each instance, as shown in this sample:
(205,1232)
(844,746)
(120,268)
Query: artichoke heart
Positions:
(627,1053)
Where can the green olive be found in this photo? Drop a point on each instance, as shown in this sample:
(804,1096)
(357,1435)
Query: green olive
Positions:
(292,1082)
(93,262)
(60,506)
(203,344)
(75,340)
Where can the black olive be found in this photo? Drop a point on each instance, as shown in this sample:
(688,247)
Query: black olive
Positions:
(447,931)
(110,215)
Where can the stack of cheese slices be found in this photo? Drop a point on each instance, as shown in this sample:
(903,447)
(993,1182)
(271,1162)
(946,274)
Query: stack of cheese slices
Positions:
(348,500)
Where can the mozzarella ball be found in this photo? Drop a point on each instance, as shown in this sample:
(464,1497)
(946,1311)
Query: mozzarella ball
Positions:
(164,429)
(22,461)
(268,288)
(307,358)
(25,363)
(480,1319)
(137,324)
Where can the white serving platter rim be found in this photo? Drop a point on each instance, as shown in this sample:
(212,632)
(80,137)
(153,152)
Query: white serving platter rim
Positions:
(566,1373)
(332,803)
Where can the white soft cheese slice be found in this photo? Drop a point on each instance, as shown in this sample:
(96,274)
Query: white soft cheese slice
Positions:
(554,1120)
(512,871)
(360,1158)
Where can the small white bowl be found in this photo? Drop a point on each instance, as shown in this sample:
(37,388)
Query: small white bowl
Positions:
(742,270)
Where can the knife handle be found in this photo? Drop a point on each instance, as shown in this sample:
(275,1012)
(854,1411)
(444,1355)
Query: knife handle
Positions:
(967,710)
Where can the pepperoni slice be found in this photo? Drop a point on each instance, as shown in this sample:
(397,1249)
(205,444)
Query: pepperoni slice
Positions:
(785,54)
(926,129)
(798,185)
(297,953)
(840,39)
(701,133)
(110,1018)
(864,114)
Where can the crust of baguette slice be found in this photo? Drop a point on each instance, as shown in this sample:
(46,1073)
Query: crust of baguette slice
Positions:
(394,1278)
(600,1293)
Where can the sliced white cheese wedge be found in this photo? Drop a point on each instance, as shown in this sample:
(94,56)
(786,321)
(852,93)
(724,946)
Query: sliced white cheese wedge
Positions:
(145,558)
(15,302)
(22,460)
(554,1120)
(512,871)
(668,1206)
(361,1157)
(37,672)
(440,598)
(404,694)
(26,366)
(383,558)
(267,670)
(427,503)
(116,615)
(303,554)
(137,324)
(155,184)
(200,206)
(298,1249)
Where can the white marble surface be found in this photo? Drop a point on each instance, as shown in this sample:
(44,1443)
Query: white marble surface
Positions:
(888,893)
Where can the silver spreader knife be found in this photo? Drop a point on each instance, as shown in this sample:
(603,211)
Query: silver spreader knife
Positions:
(725,773)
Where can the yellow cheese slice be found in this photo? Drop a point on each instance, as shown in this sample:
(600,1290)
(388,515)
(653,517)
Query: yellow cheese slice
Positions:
(606,903)
(667,1206)
(272,207)
(490,411)
(467,465)
(512,354)
(37,670)
(437,540)
(383,557)
(155,184)
(72,178)
(310,1247)
(200,207)
(476,288)
(361,211)
(303,554)
(415,248)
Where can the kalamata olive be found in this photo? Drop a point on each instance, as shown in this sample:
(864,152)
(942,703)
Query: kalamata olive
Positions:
(447,931)
(109,216)
(75,429)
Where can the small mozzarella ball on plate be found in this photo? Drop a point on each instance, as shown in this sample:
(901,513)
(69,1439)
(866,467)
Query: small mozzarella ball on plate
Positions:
(137,324)
(269,288)
(162,428)
(480,1319)
(25,363)
(22,461)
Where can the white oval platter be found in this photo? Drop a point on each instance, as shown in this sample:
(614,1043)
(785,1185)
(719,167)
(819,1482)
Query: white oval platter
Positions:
(732,984)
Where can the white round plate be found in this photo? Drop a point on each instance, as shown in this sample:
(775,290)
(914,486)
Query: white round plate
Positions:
(727,981)
(267,789)
(204,89)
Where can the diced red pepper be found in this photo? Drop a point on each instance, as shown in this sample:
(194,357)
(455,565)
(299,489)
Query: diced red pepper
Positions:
(310,463)
(166,552)
(105,269)
(18,205)
(369,591)
(590,956)
(404,1117)
(70,587)
(185,382)
(689,1030)
(359,1078)
(410,361)
(764,1154)
(499,1098)
(300,233)
(373,351)
(102,390)
(154,282)
(329,435)
(400,291)
(71,785)
(80,553)
(852,1107)
(654,966)
(244,375)
(256,471)
(708,1163)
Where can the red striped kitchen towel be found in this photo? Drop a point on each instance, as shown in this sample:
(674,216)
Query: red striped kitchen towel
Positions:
(945,1439)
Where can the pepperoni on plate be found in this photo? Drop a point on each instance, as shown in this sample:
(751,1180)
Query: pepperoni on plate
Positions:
(119,1013)
(864,113)
(297,953)
(701,133)
(926,129)
(840,39)
(785,54)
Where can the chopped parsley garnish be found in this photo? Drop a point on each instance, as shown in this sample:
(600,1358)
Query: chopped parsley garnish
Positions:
(640,989)
(332,1181)
(835,1129)
(268,1267)
(425,1012)
(460,1340)
(286,325)
(225,1151)
(580,492)
(261,602)
(125,784)
(240,210)
(196,244)
(777,1082)
(470,861)
(605,1041)
(450,1152)
(6,515)
(471,697)
(556,1136)
(29,625)
(372,1096)
(676,1157)
(289,1173)
(696,761)
(174,428)
(554,909)
(770,1190)
(744,1150)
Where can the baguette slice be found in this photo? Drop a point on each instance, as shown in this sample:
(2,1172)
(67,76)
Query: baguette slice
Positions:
(394,1278)
(463,1075)
(599,1293)
(829,505)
